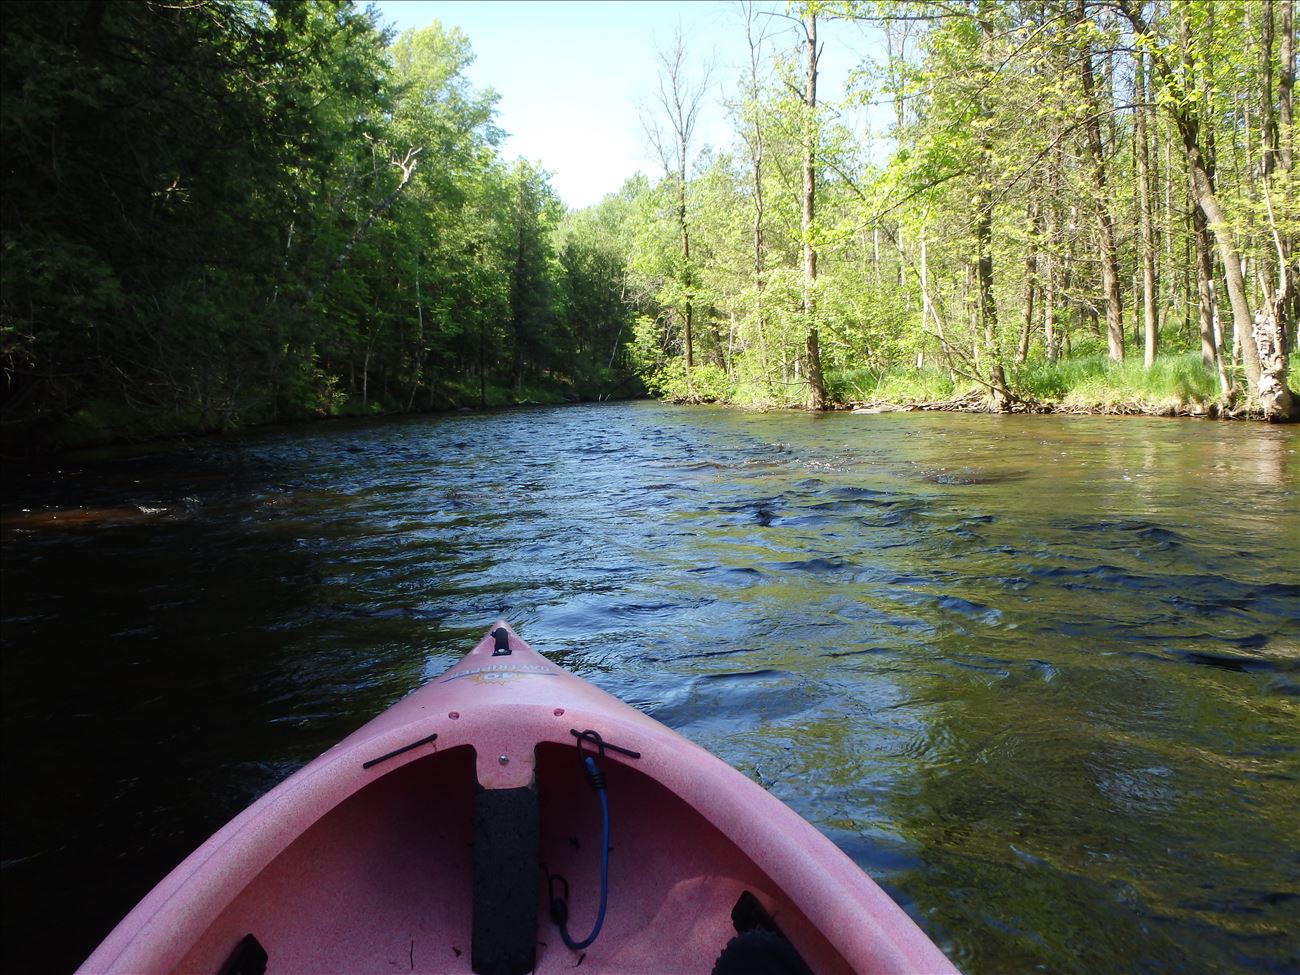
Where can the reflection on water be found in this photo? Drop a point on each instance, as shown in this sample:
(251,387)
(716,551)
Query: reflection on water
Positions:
(1039,676)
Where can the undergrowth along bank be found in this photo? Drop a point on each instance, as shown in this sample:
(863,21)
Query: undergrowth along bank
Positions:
(1175,384)
(1178,384)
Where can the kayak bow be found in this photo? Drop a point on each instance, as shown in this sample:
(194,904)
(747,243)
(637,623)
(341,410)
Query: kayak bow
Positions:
(491,819)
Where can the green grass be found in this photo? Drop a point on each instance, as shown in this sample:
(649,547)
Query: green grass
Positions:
(1173,381)
(1176,381)
(926,385)
(851,385)
(898,384)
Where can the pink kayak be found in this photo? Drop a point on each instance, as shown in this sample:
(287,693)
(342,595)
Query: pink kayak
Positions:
(509,817)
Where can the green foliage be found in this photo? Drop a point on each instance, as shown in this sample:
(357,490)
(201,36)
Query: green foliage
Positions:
(1089,382)
(308,390)
(100,420)
(705,384)
(461,394)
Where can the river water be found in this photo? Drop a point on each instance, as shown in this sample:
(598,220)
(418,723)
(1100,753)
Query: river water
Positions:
(1039,676)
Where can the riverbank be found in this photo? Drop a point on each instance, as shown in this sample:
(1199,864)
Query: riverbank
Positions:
(980,401)
(1175,385)
(106,423)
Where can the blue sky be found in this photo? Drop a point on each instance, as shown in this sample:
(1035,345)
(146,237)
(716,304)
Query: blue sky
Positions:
(572,73)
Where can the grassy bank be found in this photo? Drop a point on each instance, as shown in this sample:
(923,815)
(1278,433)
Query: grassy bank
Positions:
(1175,384)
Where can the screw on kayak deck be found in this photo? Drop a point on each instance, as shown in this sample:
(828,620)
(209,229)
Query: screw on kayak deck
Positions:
(504,759)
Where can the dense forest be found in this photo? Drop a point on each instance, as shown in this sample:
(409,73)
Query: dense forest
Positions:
(226,212)
(229,212)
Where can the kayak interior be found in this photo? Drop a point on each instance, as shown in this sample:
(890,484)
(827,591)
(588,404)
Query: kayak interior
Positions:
(384,880)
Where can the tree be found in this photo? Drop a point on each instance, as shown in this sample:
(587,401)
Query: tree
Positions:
(812,344)
(1279,403)
(680,100)
(164,208)
(751,128)
(534,212)
(1092,110)
(1146,218)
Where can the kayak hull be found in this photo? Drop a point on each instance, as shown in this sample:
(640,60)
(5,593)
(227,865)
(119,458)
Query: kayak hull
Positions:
(363,861)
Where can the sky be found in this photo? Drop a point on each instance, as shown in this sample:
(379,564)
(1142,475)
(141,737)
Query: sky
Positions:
(571,74)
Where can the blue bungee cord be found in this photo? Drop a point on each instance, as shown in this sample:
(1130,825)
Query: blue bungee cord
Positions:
(597,780)
(560,902)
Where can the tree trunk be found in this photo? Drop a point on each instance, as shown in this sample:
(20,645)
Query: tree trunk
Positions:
(1101,203)
(1146,219)
(1048,272)
(1274,319)
(875,255)
(756,147)
(1203,191)
(987,307)
(683,228)
(1172,294)
(1211,352)
(1289,310)
(1226,244)
(812,343)
(482,364)
(681,102)
(1267,121)
(419,340)
(929,312)
(1275,398)
(689,318)
(406,167)
(985,311)
(923,275)
(1034,219)
(1286,85)
(1208,309)
(365,373)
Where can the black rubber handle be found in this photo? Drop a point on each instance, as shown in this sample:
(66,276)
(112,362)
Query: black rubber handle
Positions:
(502,637)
